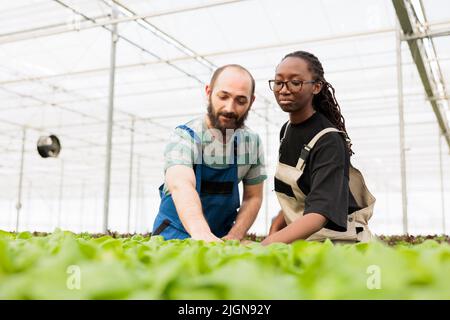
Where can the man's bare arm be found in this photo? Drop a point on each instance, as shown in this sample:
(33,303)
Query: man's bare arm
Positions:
(251,203)
(180,181)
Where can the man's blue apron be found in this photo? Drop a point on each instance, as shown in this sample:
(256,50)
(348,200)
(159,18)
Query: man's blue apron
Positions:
(219,195)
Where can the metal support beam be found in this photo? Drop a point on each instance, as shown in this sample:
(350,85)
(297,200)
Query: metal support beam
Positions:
(29,205)
(186,50)
(81,213)
(419,55)
(441,175)
(163,35)
(142,206)
(402,132)
(428,34)
(46,31)
(138,182)
(109,132)
(19,197)
(60,199)
(266,187)
(343,37)
(130,181)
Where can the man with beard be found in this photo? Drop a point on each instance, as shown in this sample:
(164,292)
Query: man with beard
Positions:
(205,161)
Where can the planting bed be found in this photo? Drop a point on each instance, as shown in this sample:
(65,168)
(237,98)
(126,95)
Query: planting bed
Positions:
(63,265)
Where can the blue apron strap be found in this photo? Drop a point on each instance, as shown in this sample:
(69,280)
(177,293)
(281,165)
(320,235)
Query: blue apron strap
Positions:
(197,168)
(191,133)
(235,156)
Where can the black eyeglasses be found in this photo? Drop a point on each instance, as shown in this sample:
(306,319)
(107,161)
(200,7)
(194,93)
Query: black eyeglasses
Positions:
(291,85)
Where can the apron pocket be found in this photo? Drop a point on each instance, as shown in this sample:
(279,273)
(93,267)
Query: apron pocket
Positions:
(217,187)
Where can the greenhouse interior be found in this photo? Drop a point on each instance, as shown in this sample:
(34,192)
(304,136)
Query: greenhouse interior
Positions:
(102,103)
(112,79)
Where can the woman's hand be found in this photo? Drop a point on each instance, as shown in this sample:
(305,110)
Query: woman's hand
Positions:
(278,223)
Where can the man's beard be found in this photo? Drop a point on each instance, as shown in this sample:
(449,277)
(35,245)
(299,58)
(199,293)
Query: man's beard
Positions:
(215,121)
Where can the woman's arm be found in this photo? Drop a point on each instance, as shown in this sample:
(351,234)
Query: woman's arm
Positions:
(278,223)
(301,228)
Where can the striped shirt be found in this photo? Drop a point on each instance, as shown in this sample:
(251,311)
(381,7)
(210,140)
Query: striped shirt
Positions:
(183,150)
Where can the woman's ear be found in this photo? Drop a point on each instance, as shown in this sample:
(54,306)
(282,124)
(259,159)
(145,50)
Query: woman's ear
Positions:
(317,87)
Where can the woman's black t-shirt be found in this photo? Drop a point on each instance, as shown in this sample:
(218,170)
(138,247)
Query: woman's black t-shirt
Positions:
(325,178)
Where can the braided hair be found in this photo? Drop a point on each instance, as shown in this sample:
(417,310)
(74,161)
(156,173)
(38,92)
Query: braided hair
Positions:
(325,101)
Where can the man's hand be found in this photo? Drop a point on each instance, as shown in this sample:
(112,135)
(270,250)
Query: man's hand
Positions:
(278,223)
(207,237)
(251,203)
(233,236)
(244,242)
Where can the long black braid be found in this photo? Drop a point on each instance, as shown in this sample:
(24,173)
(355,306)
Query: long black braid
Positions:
(325,101)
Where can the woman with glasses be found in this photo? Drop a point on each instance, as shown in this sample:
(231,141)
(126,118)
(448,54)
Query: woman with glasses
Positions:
(321,194)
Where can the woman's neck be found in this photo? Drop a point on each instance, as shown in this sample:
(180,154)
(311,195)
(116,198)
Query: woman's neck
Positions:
(301,115)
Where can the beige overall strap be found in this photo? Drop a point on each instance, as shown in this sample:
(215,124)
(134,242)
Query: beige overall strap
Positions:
(282,139)
(285,130)
(301,162)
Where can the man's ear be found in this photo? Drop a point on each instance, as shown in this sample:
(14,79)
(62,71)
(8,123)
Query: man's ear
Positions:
(208,90)
(252,100)
(317,87)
